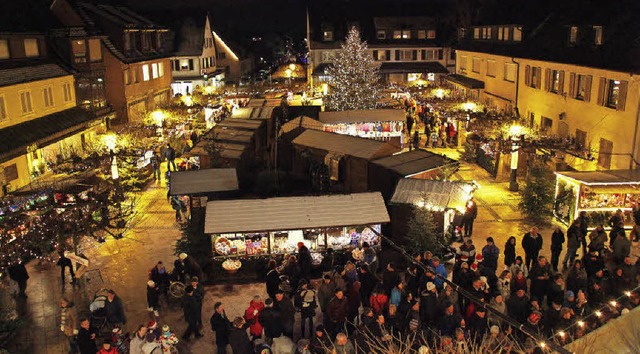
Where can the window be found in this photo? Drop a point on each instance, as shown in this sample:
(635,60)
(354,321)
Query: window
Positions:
(95,52)
(476,33)
(554,81)
(4,49)
(382,35)
(79,48)
(327,56)
(25,102)
(154,70)
(583,88)
(431,34)
(491,68)
(510,72)
(581,138)
(486,33)
(187,64)
(517,34)
(427,54)
(397,34)
(533,76)
(406,34)
(327,35)
(422,34)
(66,92)
(161,68)
(47,94)
(597,35)
(379,55)
(613,93)
(604,153)
(3,110)
(573,34)
(463,62)
(546,124)
(145,72)
(31,47)
(407,55)
(503,33)
(475,65)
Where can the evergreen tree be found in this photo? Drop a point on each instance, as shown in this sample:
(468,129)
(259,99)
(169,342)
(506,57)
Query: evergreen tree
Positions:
(353,77)
(421,231)
(538,193)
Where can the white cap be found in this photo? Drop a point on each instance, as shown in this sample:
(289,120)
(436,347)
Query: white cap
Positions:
(182,256)
(430,286)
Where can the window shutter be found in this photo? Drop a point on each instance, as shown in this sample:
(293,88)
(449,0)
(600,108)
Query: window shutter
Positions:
(561,83)
(622,95)
(602,89)
(572,85)
(388,55)
(375,55)
(539,78)
(423,54)
(587,88)
(527,75)
(190,64)
(440,54)
(547,79)
(397,55)
(414,55)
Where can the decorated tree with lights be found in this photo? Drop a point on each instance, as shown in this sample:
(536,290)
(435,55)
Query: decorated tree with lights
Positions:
(353,76)
(421,230)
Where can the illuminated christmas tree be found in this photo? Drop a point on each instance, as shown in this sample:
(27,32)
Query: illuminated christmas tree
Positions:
(353,77)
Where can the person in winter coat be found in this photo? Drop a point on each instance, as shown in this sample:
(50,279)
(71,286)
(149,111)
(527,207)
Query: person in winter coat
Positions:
(510,251)
(468,250)
(238,338)
(221,325)
(18,273)
(320,342)
(368,282)
(325,292)
(273,279)
(518,306)
(519,266)
(390,278)
(287,313)
(470,215)
(337,311)
(170,155)
(353,300)
(379,301)
(198,294)
(191,312)
(252,316)
(153,301)
(429,305)
(138,339)
(69,324)
(499,304)
(557,240)
(577,278)
(397,293)
(621,248)
(490,253)
(573,243)
(597,239)
(114,309)
(160,277)
(343,345)
(64,263)
(86,338)
(304,258)
(191,266)
(107,349)
(306,303)
(151,345)
(532,244)
(616,222)
(271,320)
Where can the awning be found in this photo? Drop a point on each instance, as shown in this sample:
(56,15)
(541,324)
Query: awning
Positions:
(294,213)
(465,81)
(612,177)
(435,195)
(411,67)
(321,69)
(203,181)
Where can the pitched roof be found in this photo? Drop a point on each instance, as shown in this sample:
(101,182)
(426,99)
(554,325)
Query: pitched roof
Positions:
(362,116)
(413,162)
(294,213)
(301,122)
(24,74)
(610,177)
(203,181)
(43,131)
(438,195)
(344,144)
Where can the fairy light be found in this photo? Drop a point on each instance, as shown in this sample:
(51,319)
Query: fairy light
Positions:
(613,303)
(627,293)
(598,314)
(543,345)
(581,324)
(561,334)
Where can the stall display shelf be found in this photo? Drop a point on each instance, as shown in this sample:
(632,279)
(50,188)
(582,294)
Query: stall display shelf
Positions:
(604,209)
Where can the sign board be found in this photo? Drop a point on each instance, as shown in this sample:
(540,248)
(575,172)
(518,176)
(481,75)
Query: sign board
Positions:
(77,259)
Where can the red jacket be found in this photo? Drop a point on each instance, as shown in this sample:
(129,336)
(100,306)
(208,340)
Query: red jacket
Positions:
(251,316)
(379,303)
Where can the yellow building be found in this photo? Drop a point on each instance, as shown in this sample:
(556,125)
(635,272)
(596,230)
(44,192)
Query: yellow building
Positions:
(595,105)
(39,117)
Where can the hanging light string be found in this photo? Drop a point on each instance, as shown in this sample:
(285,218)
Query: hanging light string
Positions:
(581,322)
(460,290)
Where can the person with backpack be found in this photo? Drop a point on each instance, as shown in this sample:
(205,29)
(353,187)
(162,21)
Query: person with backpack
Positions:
(305,302)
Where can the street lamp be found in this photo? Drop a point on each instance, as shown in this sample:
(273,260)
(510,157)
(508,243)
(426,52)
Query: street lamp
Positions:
(516,134)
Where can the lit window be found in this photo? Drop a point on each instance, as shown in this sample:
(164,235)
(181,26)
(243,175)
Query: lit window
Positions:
(555,81)
(95,51)
(422,34)
(25,102)
(517,34)
(476,33)
(406,34)
(47,94)
(31,48)
(431,34)
(573,34)
(154,70)
(382,35)
(597,32)
(145,72)
(463,62)
(613,94)
(581,91)
(66,90)
(327,35)
(536,74)
(4,49)
(397,34)
(161,69)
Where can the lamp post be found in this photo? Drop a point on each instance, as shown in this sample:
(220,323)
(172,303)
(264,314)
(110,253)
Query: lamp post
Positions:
(515,133)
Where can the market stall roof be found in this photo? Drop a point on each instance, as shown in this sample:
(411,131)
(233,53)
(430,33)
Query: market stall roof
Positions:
(414,162)
(301,122)
(360,116)
(611,177)
(294,213)
(417,67)
(437,194)
(345,144)
(616,336)
(465,81)
(203,181)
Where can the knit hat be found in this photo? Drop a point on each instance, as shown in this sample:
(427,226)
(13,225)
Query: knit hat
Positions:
(414,323)
(435,259)
(534,317)
(165,328)
(151,284)
(152,324)
(570,294)
(479,258)
(182,256)
(474,266)
(495,329)
(430,286)
(464,258)
(320,328)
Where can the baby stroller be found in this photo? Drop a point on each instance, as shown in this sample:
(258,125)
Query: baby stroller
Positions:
(98,318)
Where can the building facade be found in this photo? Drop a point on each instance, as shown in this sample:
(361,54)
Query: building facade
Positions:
(40,120)
(137,66)
(594,104)
(231,62)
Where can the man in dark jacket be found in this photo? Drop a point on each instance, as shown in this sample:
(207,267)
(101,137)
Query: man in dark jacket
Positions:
(18,273)
(191,313)
(532,244)
(198,294)
(304,258)
(429,305)
(273,279)
(271,320)
(114,309)
(368,282)
(170,155)
(220,324)
(573,243)
(390,278)
(86,338)
(490,253)
(540,276)
(337,311)
(518,306)
(240,343)
(287,313)
(320,342)
(557,240)
(470,214)
(65,263)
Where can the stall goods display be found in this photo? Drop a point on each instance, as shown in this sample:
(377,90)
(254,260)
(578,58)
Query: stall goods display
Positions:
(594,201)
(231,265)
(223,246)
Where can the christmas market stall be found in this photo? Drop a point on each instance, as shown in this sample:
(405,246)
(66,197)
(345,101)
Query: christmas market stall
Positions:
(245,234)
(377,124)
(195,187)
(598,193)
(447,201)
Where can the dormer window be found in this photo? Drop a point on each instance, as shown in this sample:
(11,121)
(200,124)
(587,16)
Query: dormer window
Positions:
(597,35)
(431,34)
(517,34)
(382,35)
(573,34)
(422,34)
(406,34)
(476,33)
(327,35)
(397,34)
